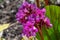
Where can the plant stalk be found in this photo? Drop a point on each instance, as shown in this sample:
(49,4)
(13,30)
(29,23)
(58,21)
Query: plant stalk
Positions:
(40,32)
(38,27)
(38,3)
(46,2)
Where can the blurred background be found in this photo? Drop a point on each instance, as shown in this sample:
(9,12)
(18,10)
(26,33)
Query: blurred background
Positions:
(8,9)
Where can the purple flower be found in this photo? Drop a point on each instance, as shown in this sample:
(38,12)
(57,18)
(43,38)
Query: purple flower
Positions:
(47,22)
(43,10)
(30,30)
(28,23)
(29,15)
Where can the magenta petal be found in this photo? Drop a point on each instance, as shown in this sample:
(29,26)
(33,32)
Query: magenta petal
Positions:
(47,21)
(43,10)
(25,10)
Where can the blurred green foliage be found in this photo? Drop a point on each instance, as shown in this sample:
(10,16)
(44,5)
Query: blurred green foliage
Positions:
(52,12)
(1,1)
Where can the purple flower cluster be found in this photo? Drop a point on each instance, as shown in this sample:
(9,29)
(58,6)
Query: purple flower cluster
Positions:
(29,29)
(29,15)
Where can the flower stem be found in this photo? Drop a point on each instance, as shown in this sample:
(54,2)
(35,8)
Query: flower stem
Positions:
(46,2)
(38,27)
(38,4)
(40,33)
